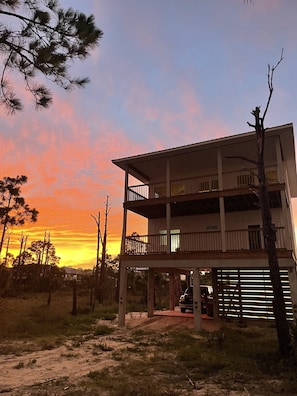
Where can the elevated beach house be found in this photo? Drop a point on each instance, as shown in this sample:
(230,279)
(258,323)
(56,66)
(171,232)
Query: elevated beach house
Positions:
(201,208)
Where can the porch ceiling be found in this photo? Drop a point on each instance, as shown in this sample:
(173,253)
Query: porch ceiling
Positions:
(156,208)
(191,159)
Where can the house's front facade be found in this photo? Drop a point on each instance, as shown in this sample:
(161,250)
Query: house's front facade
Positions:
(202,211)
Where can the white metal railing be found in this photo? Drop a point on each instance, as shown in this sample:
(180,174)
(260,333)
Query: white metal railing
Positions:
(233,179)
(236,240)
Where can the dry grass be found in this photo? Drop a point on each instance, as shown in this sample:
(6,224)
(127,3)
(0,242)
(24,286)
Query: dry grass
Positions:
(28,318)
(143,361)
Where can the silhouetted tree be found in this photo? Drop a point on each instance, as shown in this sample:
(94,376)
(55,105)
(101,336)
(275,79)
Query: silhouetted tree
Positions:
(13,209)
(43,253)
(279,307)
(97,266)
(102,275)
(38,36)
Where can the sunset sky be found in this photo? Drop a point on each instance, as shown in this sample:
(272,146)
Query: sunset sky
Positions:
(166,73)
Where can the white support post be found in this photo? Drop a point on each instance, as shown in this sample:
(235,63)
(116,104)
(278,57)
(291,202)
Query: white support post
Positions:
(197,300)
(122,295)
(151,293)
(168,207)
(221,201)
(171,291)
(123,241)
(289,244)
(123,270)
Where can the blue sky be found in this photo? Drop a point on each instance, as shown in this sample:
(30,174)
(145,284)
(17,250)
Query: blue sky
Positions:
(166,73)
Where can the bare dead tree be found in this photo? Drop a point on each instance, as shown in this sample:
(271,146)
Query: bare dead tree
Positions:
(96,287)
(103,256)
(279,307)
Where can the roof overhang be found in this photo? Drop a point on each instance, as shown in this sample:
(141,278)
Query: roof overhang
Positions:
(146,166)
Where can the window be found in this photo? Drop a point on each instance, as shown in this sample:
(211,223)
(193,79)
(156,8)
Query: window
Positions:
(271,177)
(204,186)
(177,188)
(208,185)
(214,184)
(160,191)
(174,242)
(245,180)
(254,237)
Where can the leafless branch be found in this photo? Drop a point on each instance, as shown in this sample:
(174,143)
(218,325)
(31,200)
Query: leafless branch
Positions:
(190,381)
(243,158)
(270,74)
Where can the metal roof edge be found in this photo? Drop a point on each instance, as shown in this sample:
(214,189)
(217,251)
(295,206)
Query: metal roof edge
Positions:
(217,141)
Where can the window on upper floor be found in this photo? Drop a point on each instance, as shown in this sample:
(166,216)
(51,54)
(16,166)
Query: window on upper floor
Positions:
(245,179)
(271,177)
(177,188)
(208,185)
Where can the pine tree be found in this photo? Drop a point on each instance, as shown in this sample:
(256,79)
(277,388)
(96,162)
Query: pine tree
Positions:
(40,37)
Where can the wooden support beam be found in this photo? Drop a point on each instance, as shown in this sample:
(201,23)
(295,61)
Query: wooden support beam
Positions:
(171,291)
(122,296)
(151,293)
(197,300)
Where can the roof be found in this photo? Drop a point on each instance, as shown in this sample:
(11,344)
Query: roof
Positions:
(149,165)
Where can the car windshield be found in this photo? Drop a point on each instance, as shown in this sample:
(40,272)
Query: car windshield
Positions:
(204,290)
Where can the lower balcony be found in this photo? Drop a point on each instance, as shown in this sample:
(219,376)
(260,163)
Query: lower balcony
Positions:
(247,240)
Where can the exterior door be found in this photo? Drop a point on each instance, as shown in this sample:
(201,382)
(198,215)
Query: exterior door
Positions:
(254,237)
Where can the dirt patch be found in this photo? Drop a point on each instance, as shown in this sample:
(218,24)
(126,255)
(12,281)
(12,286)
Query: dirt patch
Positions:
(58,371)
(78,357)
(167,321)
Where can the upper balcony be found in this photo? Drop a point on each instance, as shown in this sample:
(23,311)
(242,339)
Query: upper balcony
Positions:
(200,195)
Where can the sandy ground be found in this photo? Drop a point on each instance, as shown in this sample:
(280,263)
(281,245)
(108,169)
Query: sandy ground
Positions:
(77,358)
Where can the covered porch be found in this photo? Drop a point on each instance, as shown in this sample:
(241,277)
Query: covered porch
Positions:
(241,288)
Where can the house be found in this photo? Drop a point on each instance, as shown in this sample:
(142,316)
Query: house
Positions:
(201,208)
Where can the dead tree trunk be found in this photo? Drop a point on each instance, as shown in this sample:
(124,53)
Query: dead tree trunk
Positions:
(96,287)
(279,307)
(74,298)
(103,258)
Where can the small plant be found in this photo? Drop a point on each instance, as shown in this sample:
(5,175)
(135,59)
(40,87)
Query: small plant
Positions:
(69,355)
(117,355)
(104,347)
(103,330)
(216,336)
(20,365)
(107,316)
(31,363)
(97,375)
